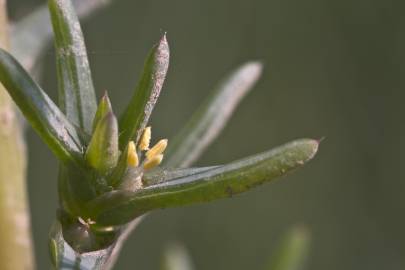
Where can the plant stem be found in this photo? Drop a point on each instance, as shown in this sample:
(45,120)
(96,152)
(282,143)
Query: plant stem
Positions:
(16,244)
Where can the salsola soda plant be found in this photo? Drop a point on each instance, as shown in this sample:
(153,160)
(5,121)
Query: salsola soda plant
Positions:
(110,173)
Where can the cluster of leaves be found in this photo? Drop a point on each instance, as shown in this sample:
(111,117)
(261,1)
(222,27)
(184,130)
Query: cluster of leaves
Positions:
(100,191)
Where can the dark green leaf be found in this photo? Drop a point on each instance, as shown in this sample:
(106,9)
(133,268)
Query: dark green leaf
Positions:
(104,107)
(120,207)
(160,175)
(40,111)
(116,177)
(136,116)
(209,120)
(102,153)
(76,91)
(75,187)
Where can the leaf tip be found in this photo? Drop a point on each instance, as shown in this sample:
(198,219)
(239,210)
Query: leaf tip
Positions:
(163,39)
(321,139)
(313,147)
(105,101)
(254,67)
(103,109)
(162,49)
(105,96)
(251,71)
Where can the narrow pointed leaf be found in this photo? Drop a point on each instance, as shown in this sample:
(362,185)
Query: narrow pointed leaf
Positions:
(76,91)
(160,175)
(136,115)
(67,196)
(104,107)
(40,111)
(209,119)
(75,188)
(292,252)
(116,177)
(120,207)
(30,35)
(102,153)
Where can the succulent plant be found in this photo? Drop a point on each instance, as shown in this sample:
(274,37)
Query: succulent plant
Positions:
(110,175)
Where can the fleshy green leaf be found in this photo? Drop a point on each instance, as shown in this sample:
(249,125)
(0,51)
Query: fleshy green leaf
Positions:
(209,119)
(160,175)
(116,177)
(102,153)
(136,115)
(292,252)
(75,187)
(104,107)
(76,91)
(40,111)
(120,207)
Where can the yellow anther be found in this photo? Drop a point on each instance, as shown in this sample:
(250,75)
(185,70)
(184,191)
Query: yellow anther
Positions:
(86,222)
(153,162)
(132,158)
(158,149)
(145,139)
(90,222)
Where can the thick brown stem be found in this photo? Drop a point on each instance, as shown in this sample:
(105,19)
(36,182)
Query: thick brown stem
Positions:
(15,234)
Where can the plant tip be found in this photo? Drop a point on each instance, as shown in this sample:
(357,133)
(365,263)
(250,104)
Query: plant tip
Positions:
(315,147)
(163,38)
(163,44)
(321,139)
(256,64)
(105,95)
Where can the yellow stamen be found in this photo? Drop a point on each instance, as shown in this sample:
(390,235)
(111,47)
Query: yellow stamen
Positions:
(158,149)
(90,222)
(145,139)
(132,158)
(153,162)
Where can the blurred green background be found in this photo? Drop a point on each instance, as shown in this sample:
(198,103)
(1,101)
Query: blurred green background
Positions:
(332,68)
